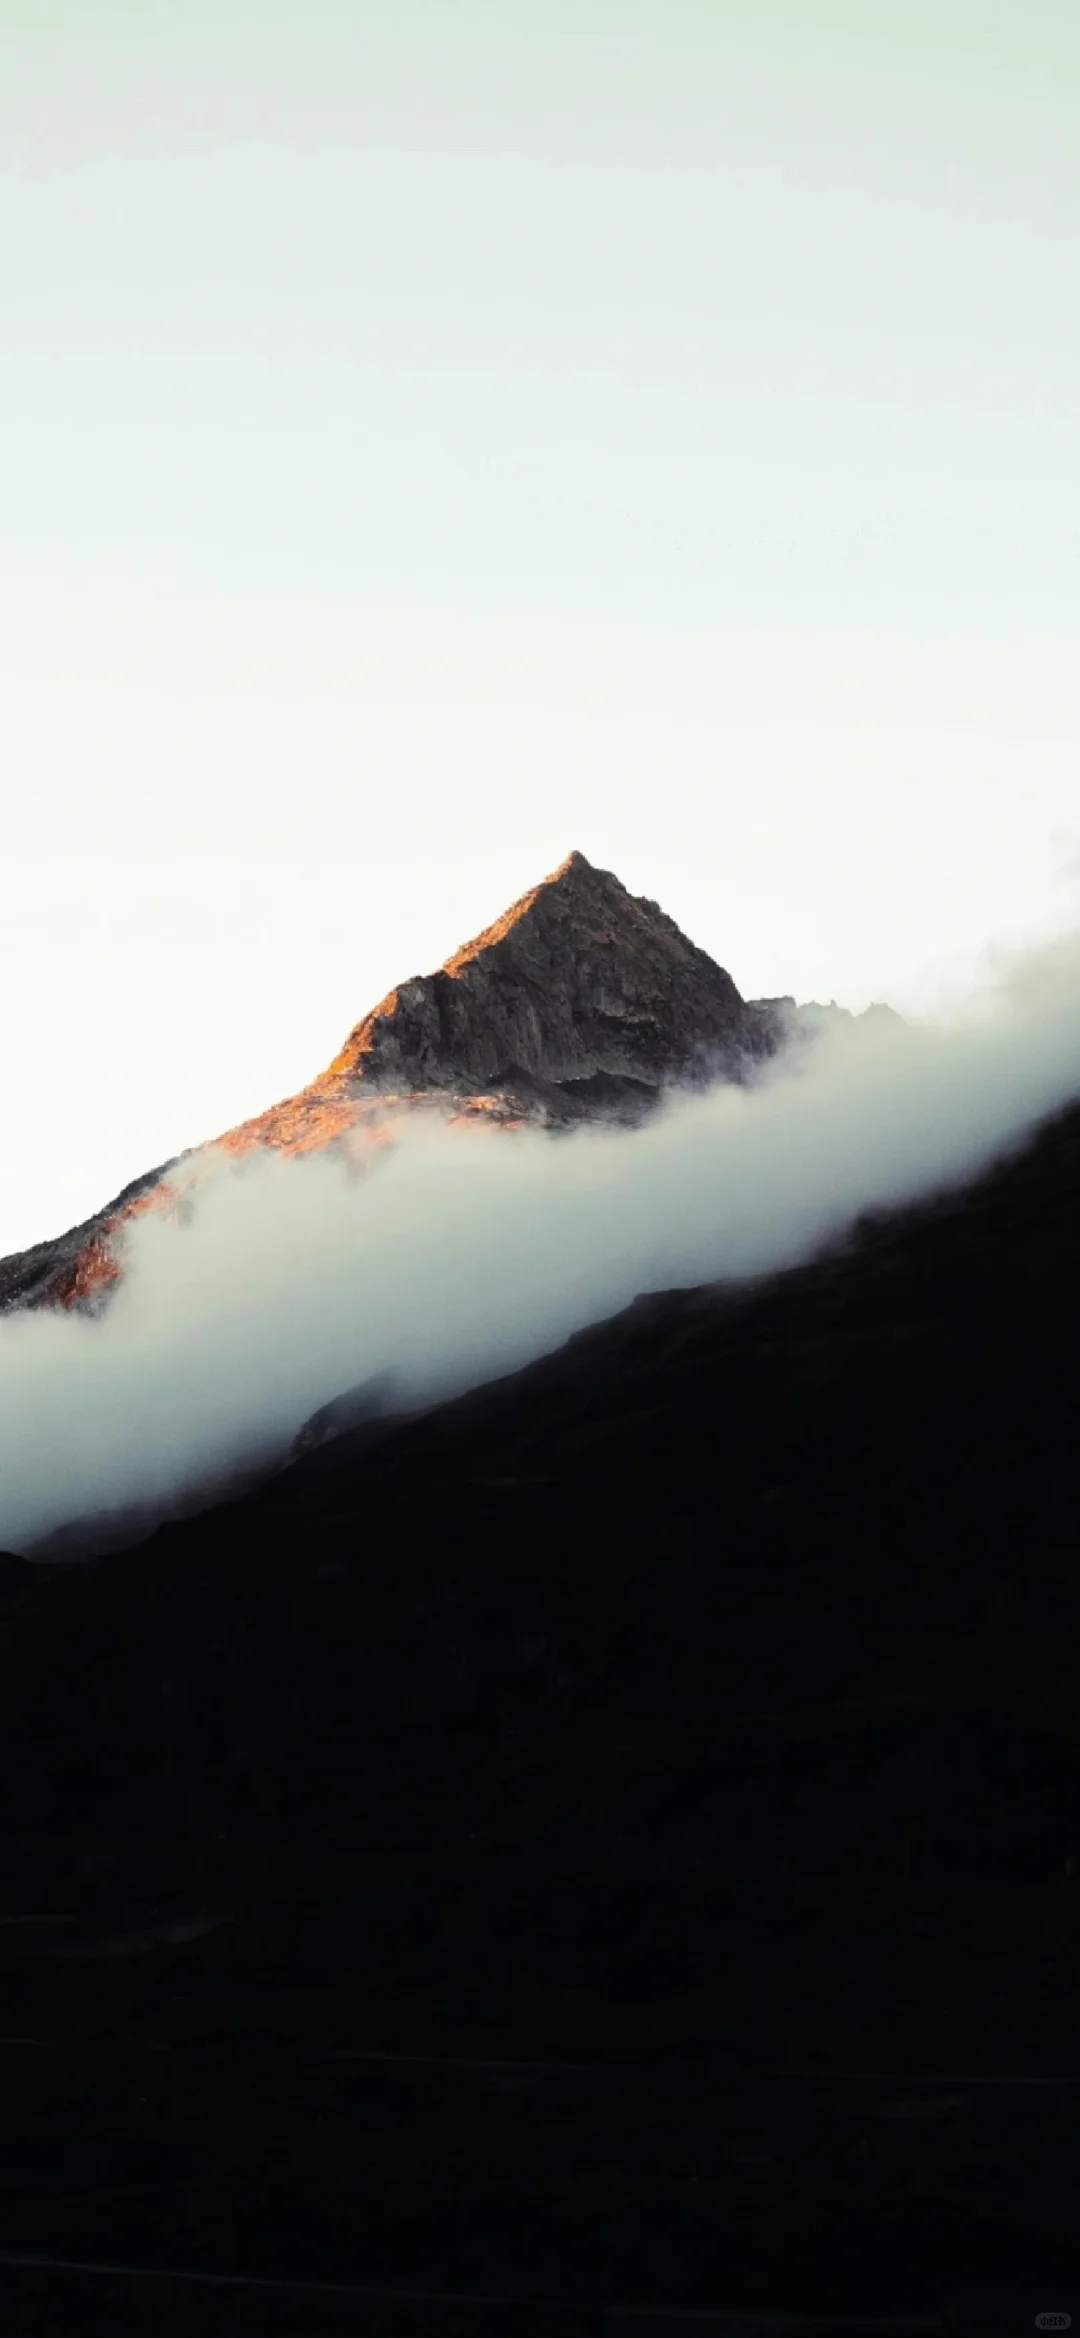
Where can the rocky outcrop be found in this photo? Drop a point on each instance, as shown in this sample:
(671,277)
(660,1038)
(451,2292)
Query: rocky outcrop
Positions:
(66,1270)
(581,992)
(582,1002)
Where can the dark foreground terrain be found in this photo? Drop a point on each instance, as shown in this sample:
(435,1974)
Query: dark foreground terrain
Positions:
(606,1856)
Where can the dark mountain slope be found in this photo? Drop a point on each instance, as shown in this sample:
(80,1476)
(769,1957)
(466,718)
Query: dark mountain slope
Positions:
(882,1442)
(699,1706)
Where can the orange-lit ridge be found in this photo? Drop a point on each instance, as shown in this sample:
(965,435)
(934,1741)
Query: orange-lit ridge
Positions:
(581,1002)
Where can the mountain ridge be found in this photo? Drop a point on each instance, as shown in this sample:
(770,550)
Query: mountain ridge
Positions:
(614,1835)
(581,1002)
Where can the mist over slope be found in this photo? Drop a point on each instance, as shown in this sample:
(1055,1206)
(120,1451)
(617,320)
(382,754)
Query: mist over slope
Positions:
(455,1252)
(581,1003)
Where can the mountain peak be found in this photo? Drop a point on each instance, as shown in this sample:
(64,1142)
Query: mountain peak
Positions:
(566,880)
(582,1002)
(580,998)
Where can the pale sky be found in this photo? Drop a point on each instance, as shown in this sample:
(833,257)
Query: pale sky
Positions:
(436,436)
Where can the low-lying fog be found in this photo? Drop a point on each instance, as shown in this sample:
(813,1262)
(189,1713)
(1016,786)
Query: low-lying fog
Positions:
(459,1253)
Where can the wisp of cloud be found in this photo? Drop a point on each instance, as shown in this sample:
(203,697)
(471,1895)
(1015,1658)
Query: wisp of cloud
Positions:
(458,1253)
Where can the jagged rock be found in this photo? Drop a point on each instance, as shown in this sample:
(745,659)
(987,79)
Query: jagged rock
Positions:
(580,1003)
(70,1268)
(579,992)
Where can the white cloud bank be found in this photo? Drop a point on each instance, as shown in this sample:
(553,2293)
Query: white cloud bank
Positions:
(461,1253)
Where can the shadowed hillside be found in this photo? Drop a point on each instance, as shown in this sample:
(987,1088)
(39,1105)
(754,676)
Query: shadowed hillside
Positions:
(697,1710)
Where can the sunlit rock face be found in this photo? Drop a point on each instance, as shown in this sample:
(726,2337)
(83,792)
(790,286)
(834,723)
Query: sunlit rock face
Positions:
(581,1003)
(74,1268)
(578,982)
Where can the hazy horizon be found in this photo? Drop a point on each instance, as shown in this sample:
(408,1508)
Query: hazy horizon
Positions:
(438,438)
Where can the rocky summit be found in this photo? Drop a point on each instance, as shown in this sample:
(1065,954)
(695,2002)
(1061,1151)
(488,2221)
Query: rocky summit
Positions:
(582,995)
(582,1002)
